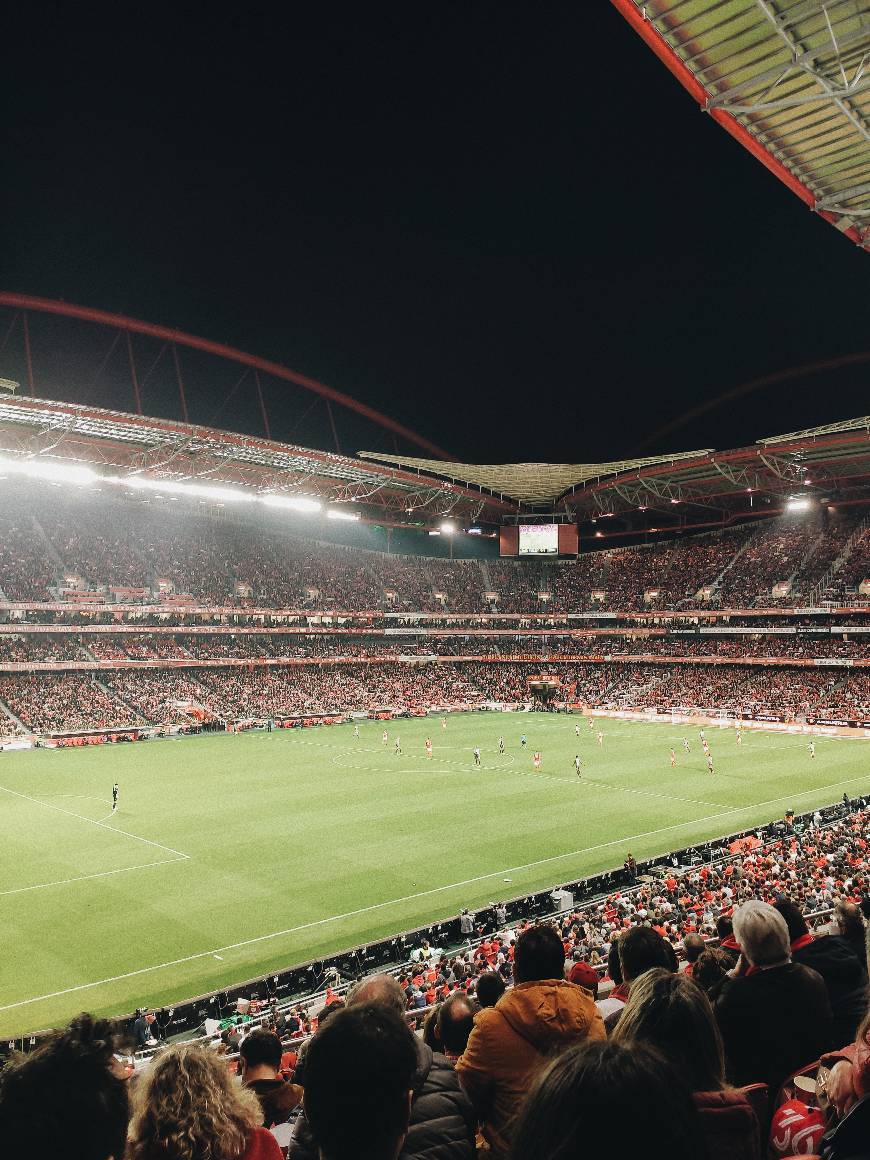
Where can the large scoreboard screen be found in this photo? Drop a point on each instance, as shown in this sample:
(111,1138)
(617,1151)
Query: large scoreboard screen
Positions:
(539,540)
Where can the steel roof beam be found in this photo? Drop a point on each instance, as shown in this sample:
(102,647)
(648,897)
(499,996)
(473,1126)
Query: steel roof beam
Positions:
(794,46)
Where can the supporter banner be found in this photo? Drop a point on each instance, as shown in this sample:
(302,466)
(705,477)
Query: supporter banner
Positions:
(442,659)
(742,630)
(838,721)
(131,628)
(171,606)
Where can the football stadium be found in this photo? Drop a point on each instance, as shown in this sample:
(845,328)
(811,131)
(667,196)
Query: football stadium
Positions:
(544,766)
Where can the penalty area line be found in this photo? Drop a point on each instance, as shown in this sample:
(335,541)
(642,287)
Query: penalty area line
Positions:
(93,821)
(88,877)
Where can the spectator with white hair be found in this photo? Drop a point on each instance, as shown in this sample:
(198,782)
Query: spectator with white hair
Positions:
(774,1015)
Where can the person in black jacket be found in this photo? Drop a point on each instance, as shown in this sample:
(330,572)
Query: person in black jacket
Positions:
(442,1123)
(774,1015)
(837,963)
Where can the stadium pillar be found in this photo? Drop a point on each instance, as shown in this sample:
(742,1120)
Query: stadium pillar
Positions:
(27,353)
(136,396)
(262,404)
(181,395)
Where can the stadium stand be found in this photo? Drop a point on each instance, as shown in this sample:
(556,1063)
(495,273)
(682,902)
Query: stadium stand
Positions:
(50,548)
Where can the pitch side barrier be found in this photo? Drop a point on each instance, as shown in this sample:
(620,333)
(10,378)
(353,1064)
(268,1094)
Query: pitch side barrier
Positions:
(546,904)
(306,983)
(767,721)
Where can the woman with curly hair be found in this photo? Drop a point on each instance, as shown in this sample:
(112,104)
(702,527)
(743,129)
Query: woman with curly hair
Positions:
(188,1108)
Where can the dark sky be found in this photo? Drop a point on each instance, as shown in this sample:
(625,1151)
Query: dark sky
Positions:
(508,228)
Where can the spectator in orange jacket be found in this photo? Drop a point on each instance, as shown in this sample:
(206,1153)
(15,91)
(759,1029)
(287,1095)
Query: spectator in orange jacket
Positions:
(511,1041)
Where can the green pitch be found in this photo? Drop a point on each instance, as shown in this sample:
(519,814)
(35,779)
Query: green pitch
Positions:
(231,856)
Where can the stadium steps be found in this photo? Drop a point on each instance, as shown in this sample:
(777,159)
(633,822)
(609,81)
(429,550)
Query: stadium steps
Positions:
(116,696)
(717,582)
(806,561)
(845,555)
(52,551)
(7,712)
(484,571)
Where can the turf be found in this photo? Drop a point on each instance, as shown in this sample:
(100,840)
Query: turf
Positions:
(234,855)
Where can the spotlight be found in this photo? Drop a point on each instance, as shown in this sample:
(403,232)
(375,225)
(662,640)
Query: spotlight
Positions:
(798,504)
(297,503)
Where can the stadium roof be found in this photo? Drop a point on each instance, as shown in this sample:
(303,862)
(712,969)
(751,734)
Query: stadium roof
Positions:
(529,483)
(692,489)
(697,488)
(788,79)
(68,433)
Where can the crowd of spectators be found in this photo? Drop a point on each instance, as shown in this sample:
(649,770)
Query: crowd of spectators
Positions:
(47,540)
(63,703)
(217,647)
(58,702)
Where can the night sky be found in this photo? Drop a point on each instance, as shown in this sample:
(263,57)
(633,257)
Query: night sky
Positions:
(508,228)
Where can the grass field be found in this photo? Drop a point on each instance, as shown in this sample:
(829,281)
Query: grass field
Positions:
(230,855)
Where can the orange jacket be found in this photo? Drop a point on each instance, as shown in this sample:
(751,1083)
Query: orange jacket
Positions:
(511,1041)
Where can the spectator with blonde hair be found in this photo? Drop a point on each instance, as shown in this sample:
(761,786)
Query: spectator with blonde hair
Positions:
(188,1108)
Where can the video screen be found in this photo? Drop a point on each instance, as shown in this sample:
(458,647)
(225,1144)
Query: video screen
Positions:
(539,540)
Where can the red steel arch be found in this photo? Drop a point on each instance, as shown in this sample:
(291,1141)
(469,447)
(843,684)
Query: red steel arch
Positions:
(25,302)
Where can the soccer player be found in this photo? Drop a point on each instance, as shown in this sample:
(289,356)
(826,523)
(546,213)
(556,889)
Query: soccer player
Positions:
(812,749)
(673,760)
(739,736)
(398,746)
(577,729)
(501,745)
(385,737)
(443,722)
(686,745)
(428,748)
(356,731)
(114,797)
(599,737)
(710,762)
(578,764)
(701,734)
(591,723)
(536,760)
(477,755)
(523,741)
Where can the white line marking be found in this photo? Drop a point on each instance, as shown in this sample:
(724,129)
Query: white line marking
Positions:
(648,793)
(88,877)
(216,951)
(93,821)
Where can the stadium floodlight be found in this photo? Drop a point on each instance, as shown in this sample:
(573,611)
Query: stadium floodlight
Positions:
(338,514)
(475,531)
(448,528)
(798,504)
(50,470)
(434,532)
(296,503)
(180,487)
